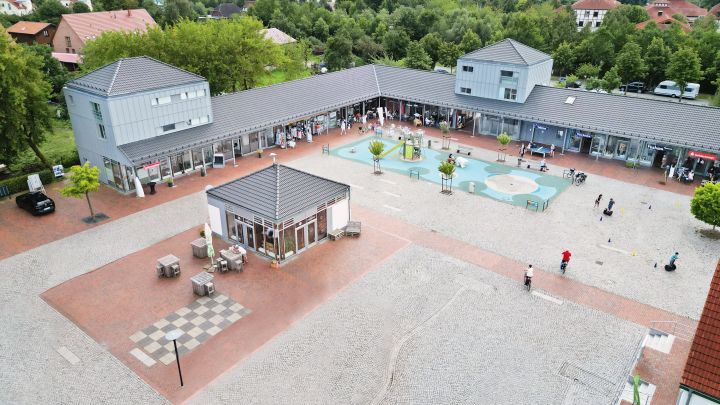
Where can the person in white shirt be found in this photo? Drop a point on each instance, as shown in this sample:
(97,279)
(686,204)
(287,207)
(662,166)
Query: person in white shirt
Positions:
(543,165)
(528,274)
(552,150)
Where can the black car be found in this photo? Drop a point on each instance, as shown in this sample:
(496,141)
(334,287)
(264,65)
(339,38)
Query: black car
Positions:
(634,87)
(573,85)
(35,203)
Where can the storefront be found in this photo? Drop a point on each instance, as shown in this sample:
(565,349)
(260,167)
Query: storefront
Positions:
(300,220)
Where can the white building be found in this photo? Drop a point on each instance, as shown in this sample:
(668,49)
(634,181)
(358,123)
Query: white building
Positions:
(16,7)
(69,3)
(590,13)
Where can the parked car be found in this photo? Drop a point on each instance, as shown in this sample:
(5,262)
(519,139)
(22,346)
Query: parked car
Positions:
(562,79)
(573,85)
(670,88)
(439,70)
(633,87)
(35,203)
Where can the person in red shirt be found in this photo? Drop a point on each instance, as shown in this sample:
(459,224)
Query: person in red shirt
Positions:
(565,259)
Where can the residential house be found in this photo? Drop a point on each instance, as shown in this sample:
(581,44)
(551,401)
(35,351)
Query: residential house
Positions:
(590,13)
(30,32)
(700,384)
(669,8)
(664,22)
(225,10)
(16,7)
(76,29)
(277,36)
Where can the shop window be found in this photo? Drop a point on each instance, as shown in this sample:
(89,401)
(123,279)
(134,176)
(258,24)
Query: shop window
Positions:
(231,228)
(288,236)
(322,224)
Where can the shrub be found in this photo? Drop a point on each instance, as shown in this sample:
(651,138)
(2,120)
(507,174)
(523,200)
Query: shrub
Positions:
(630,164)
(19,183)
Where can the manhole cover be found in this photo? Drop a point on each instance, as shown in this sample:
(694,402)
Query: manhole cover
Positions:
(598,262)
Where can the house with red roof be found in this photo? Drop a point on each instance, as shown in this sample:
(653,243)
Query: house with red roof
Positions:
(74,30)
(31,32)
(664,22)
(700,384)
(16,7)
(590,13)
(668,8)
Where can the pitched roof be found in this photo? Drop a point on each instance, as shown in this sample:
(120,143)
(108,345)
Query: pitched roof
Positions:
(277,191)
(595,4)
(277,36)
(508,51)
(67,57)
(18,4)
(663,23)
(123,77)
(715,10)
(671,7)
(27,27)
(90,25)
(702,370)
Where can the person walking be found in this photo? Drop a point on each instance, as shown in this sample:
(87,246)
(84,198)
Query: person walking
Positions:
(597,201)
(610,205)
(343,127)
(552,150)
(522,149)
(528,276)
(671,266)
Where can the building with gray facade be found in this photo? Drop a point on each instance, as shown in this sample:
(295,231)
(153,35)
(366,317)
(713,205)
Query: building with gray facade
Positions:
(140,117)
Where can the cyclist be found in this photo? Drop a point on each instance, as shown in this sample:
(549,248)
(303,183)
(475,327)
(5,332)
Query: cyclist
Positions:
(565,259)
(528,276)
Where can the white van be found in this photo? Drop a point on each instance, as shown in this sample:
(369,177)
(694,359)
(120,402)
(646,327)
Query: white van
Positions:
(669,88)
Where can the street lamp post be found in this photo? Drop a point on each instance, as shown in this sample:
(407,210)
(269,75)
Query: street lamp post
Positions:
(174,335)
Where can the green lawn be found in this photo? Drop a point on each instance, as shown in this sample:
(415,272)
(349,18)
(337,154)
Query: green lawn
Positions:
(57,145)
(278,76)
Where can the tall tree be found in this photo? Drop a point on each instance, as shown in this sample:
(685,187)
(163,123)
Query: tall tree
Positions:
(657,56)
(432,43)
(522,27)
(339,52)
(449,53)
(174,10)
(25,118)
(470,42)
(629,62)
(50,11)
(684,68)
(563,59)
(611,80)
(55,73)
(80,7)
(417,58)
(395,43)
(587,70)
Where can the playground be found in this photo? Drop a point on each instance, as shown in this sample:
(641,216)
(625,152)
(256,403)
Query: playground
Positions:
(501,182)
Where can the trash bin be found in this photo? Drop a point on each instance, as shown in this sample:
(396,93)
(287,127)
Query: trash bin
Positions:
(429,144)
(471,187)
(152,187)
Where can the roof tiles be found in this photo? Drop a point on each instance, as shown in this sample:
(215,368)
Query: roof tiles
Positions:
(27,27)
(508,51)
(595,5)
(90,25)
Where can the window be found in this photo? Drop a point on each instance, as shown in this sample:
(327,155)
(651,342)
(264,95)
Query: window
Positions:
(597,23)
(595,13)
(194,121)
(201,93)
(587,13)
(101,131)
(160,100)
(465,90)
(168,127)
(570,100)
(660,13)
(510,94)
(45,33)
(581,23)
(73,50)
(96,110)
(467,69)
(506,73)
(67,50)
(67,42)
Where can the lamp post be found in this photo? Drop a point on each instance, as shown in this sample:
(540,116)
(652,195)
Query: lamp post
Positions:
(174,335)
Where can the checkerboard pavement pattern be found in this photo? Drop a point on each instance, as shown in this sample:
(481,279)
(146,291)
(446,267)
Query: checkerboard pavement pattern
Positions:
(200,320)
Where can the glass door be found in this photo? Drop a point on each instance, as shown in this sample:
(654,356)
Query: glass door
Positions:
(254,142)
(197,158)
(311,232)
(621,150)
(300,233)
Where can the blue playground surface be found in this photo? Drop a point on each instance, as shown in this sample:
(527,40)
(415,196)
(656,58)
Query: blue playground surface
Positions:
(501,182)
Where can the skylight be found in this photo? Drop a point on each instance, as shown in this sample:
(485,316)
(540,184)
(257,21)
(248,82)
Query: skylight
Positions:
(570,100)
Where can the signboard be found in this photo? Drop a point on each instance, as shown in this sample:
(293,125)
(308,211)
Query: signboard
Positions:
(582,134)
(149,165)
(540,127)
(657,147)
(702,155)
(58,170)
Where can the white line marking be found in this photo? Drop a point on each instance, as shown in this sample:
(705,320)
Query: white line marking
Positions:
(392,194)
(392,208)
(355,186)
(387,181)
(68,355)
(614,249)
(144,358)
(547,297)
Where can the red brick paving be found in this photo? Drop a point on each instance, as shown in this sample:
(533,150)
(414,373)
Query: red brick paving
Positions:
(664,371)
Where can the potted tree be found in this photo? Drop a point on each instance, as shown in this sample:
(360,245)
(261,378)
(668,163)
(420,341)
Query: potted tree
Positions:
(376,149)
(259,152)
(504,140)
(170,182)
(447,172)
(445,129)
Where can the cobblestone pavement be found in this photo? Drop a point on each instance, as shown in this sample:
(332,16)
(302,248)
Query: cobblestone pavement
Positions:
(616,254)
(46,359)
(426,328)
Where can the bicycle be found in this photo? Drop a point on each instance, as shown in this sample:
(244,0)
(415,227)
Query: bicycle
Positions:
(569,174)
(563,266)
(580,178)
(528,282)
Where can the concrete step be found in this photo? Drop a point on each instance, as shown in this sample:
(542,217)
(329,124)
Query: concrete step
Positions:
(660,341)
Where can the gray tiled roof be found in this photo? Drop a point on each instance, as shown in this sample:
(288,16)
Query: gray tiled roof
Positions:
(248,111)
(277,191)
(508,51)
(653,120)
(255,109)
(123,77)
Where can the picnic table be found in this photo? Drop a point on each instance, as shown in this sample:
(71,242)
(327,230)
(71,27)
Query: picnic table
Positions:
(540,150)
(166,263)
(199,248)
(202,283)
(234,260)
(353,228)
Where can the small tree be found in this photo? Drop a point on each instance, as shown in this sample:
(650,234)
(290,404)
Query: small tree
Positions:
(504,140)
(683,68)
(630,64)
(705,205)
(83,180)
(447,171)
(611,80)
(376,149)
(587,70)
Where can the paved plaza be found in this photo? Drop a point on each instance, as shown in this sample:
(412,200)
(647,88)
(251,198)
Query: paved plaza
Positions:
(425,307)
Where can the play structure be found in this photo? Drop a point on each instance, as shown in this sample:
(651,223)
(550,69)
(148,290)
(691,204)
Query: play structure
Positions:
(411,144)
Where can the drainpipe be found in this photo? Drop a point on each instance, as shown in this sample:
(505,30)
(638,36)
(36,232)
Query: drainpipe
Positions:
(473,118)
(562,151)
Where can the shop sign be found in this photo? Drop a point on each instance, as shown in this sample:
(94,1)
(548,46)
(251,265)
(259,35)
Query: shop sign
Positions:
(657,147)
(149,165)
(582,134)
(702,155)
(539,127)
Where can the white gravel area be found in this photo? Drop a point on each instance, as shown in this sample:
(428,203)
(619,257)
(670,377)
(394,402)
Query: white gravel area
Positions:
(425,328)
(639,236)
(33,371)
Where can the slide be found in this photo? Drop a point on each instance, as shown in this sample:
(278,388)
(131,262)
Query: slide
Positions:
(387,152)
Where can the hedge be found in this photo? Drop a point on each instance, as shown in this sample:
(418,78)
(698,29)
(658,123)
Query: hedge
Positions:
(19,184)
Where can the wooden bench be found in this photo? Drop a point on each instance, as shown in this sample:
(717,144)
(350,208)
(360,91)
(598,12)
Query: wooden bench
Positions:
(353,228)
(336,234)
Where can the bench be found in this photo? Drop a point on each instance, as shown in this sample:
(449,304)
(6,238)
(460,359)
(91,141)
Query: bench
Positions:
(4,192)
(353,228)
(415,173)
(336,234)
(464,150)
(531,203)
